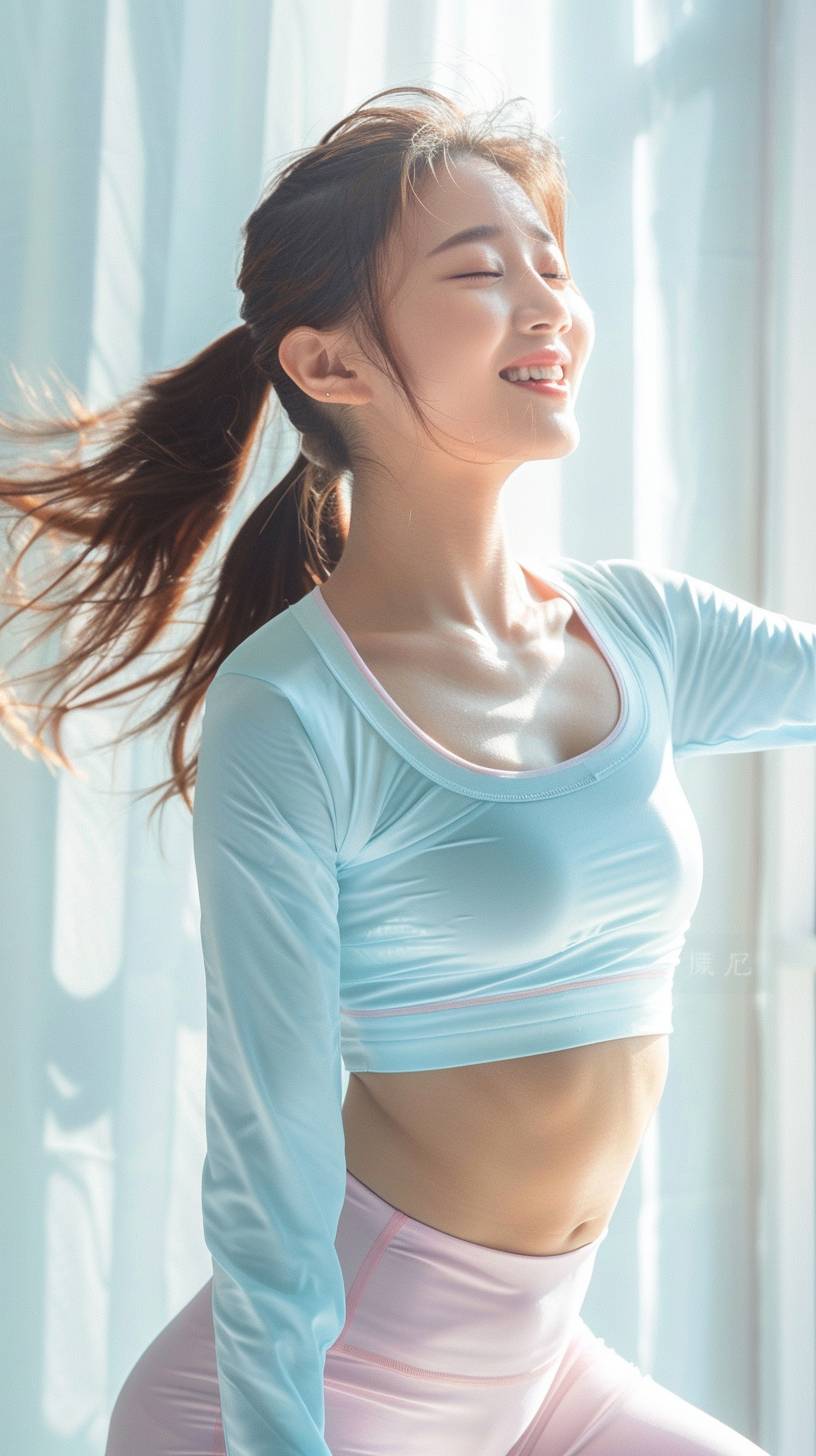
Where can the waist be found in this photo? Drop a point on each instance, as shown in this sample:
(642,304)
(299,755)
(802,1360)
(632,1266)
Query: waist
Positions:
(531,1150)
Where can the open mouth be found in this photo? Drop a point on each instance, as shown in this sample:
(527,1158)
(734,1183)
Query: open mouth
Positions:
(558,387)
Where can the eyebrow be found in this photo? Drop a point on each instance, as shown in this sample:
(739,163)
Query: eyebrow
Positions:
(487,230)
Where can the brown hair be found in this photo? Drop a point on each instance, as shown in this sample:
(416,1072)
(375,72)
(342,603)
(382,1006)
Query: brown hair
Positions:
(131,525)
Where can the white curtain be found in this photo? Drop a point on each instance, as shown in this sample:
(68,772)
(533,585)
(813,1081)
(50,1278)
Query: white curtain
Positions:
(136,138)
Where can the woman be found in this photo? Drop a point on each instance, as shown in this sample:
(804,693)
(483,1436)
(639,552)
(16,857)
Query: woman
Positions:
(438,832)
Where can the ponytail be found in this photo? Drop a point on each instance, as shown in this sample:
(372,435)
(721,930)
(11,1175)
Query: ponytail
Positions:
(130,527)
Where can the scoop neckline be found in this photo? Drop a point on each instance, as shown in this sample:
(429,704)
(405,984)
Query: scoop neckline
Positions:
(442,764)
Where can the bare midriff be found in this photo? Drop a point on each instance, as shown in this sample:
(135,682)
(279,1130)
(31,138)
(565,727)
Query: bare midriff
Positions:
(529,1154)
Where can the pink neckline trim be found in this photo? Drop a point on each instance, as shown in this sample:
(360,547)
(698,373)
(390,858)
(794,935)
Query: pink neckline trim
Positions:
(503,773)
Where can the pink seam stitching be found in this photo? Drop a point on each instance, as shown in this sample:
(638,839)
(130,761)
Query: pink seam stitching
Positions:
(368,1265)
(355,1294)
(508,995)
(523,1445)
(218,1447)
(541,1418)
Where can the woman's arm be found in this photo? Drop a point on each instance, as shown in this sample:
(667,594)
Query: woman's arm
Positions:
(741,677)
(273,1182)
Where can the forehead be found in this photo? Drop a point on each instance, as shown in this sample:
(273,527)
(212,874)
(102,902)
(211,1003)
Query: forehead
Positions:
(468,191)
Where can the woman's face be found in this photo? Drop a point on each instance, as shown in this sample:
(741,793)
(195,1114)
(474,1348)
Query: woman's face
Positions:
(453,333)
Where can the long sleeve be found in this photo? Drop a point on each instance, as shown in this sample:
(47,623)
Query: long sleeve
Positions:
(273,1181)
(740,677)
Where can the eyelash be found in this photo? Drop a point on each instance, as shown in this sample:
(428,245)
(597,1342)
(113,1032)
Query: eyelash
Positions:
(561,277)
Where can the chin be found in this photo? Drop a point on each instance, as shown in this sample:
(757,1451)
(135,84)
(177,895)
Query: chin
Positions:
(560,449)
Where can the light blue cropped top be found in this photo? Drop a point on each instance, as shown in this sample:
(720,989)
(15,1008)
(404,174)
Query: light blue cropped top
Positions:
(370,898)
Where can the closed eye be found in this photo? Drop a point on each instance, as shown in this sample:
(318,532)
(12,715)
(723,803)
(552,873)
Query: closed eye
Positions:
(561,277)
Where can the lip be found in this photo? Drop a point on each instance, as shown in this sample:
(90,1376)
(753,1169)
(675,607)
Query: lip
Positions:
(544,357)
(555,388)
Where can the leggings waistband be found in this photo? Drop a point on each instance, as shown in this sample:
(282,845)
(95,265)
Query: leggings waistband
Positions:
(423,1298)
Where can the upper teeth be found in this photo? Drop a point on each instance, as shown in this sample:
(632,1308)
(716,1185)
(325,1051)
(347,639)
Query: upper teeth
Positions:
(536,371)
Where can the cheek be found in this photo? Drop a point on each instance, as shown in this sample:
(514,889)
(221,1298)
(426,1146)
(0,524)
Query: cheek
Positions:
(446,340)
(451,347)
(472,332)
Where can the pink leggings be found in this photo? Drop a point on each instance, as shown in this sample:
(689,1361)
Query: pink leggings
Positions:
(447,1346)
